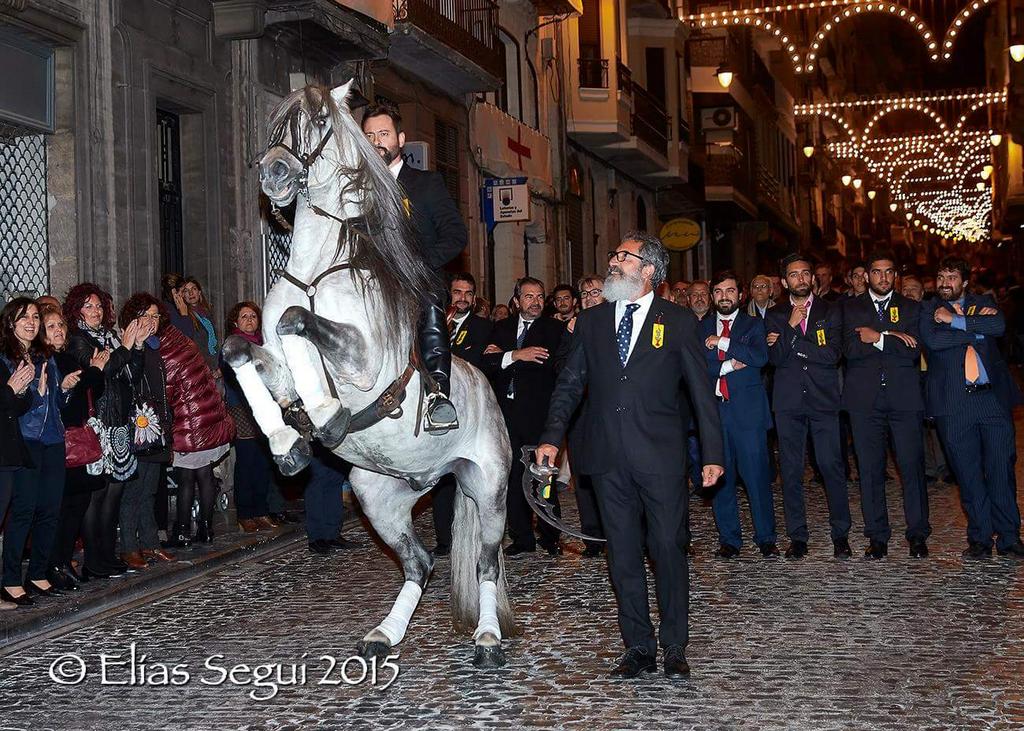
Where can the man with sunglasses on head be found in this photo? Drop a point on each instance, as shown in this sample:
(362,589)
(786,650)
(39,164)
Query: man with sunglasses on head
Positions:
(441,235)
(631,356)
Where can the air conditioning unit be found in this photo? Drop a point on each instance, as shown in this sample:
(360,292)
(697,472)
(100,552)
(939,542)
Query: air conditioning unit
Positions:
(718,118)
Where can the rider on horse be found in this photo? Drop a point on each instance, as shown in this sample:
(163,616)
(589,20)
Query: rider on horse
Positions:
(441,235)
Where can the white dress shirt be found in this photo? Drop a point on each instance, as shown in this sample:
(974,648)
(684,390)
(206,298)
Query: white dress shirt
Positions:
(396,167)
(875,299)
(457,323)
(723,345)
(506,360)
(639,316)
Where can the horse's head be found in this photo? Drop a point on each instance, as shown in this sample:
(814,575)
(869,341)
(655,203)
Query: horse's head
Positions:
(307,149)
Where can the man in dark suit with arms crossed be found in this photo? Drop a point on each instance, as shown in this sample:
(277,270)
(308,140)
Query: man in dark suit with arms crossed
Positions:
(632,354)
(882,393)
(971,395)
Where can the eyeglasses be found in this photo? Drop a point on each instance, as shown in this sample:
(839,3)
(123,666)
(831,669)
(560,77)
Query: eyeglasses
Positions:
(620,256)
(591,292)
(760,286)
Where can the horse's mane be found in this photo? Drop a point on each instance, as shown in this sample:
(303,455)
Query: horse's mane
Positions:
(388,254)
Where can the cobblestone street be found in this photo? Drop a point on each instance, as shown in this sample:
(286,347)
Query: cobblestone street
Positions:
(819,644)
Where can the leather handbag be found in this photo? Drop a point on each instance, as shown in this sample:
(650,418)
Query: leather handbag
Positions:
(82,442)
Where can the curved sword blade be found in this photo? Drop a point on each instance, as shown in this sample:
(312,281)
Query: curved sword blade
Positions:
(535,477)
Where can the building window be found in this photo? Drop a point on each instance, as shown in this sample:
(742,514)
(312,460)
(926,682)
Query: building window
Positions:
(446,138)
(168,137)
(641,214)
(512,90)
(24,219)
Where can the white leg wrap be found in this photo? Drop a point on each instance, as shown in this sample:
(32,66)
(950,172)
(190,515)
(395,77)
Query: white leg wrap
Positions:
(397,622)
(323,413)
(282,440)
(265,410)
(488,610)
(307,373)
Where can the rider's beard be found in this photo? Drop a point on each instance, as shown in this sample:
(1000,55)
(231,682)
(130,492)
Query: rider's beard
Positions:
(388,155)
(621,286)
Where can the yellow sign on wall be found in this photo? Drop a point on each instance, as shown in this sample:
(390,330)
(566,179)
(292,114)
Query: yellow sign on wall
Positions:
(680,234)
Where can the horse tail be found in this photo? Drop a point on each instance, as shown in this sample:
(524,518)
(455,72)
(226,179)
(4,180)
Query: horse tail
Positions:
(465,556)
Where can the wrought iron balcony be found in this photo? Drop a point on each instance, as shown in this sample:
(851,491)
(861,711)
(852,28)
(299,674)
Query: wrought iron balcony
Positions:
(650,121)
(467,27)
(593,73)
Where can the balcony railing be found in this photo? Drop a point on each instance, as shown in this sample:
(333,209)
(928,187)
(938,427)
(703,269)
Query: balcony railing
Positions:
(593,73)
(650,122)
(624,76)
(469,27)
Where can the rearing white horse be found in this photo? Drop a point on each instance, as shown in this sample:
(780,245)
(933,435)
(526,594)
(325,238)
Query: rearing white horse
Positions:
(338,332)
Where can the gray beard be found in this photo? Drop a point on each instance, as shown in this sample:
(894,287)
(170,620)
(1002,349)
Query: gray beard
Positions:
(622,288)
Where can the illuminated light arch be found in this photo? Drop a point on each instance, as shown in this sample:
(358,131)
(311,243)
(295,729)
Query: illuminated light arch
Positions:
(973,7)
(995,98)
(905,106)
(774,30)
(891,9)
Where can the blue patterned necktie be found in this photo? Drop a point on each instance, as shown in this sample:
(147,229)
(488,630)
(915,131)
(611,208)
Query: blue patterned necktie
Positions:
(520,339)
(882,307)
(625,333)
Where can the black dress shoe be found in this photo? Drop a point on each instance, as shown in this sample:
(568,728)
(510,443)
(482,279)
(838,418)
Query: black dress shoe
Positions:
(118,568)
(320,546)
(592,552)
(555,549)
(977,550)
(918,548)
(63,581)
(675,659)
(636,660)
(841,548)
(796,549)
(32,588)
(767,550)
(1014,550)
(512,550)
(727,551)
(22,601)
(876,550)
(204,531)
(340,543)
(283,518)
(441,551)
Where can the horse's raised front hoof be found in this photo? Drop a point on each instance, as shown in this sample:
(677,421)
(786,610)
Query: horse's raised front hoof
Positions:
(333,433)
(296,460)
(488,657)
(369,649)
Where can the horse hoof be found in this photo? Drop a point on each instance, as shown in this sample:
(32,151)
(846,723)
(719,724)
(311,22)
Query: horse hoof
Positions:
(333,433)
(488,658)
(373,649)
(296,460)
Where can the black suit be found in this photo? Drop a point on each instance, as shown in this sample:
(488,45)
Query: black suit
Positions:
(440,230)
(975,423)
(882,393)
(470,338)
(468,342)
(636,423)
(806,398)
(524,413)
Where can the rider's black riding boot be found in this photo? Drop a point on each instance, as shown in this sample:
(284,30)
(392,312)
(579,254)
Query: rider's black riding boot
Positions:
(436,355)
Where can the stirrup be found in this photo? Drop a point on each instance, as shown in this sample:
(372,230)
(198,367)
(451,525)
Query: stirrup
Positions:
(439,415)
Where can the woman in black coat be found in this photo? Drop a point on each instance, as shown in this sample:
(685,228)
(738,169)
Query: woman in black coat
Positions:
(15,401)
(89,312)
(79,485)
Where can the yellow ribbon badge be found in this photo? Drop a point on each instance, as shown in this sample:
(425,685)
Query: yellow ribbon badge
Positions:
(894,314)
(407,204)
(658,335)
(461,336)
(970,310)
(821,336)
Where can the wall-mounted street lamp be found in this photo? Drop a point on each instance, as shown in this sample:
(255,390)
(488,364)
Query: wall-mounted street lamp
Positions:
(724,74)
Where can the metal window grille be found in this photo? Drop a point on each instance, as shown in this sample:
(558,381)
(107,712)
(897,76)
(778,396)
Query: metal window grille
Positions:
(169,179)
(447,157)
(277,246)
(24,219)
